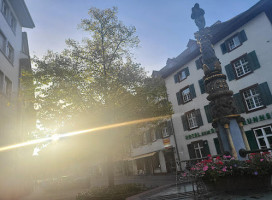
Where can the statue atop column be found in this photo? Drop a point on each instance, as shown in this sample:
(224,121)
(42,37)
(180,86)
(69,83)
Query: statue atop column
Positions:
(224,112)
(198,16)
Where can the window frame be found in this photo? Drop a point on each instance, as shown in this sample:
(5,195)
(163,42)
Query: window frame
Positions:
(264,135)
(244,100)
(165,130)
(234,68)
(231,39)
(182,96)
(153,135)
(199,149)
(195,119)
(8,52)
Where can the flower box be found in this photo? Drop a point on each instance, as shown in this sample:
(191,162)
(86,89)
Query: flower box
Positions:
(238,183)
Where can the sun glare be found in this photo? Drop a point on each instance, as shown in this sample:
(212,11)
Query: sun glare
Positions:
(56,137)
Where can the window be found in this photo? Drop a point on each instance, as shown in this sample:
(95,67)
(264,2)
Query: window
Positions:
(252,98)
(241,66)
(8,87)
(191,117)
(165,132)
(192,120)
(2,42)
(186,94)
(264,137)
(233,42)
(10,53)
(153,135)
(199,150)
(5,9)
(12,22)
(1,81)
(8,15)
(181,75)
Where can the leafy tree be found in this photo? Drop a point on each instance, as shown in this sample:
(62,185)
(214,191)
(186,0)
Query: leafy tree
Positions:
(95,82)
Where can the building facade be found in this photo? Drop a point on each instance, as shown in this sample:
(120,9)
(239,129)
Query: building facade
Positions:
(154,150)
(243,45)
(14,59)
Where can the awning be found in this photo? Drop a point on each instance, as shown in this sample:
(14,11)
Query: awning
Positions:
(144,155)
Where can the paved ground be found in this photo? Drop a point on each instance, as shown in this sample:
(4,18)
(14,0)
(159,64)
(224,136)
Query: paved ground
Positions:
(39,194)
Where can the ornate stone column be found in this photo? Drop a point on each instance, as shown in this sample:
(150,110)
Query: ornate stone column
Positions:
(224,112)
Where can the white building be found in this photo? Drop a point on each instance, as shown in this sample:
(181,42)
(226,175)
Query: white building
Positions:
(154,150)
(243,45)
(14,58)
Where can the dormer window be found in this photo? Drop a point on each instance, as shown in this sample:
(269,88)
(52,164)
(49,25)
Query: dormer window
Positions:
(233,42)
(181,75)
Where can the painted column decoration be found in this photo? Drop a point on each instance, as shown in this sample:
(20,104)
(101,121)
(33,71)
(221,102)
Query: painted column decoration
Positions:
(224,113)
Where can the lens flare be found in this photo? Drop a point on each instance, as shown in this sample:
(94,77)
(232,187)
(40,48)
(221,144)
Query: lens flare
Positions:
(58,136)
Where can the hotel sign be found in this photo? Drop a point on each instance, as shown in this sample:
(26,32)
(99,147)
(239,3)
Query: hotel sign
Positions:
(259,118)
(194,135)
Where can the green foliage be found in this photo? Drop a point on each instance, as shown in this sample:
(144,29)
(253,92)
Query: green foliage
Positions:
(97,77)
(118,192)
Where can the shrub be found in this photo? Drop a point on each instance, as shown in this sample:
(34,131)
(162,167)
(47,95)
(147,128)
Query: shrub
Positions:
(117,192)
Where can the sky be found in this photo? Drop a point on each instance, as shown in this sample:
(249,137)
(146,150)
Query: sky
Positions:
(164,27)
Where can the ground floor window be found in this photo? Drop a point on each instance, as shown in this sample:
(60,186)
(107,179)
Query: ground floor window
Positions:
(263,137)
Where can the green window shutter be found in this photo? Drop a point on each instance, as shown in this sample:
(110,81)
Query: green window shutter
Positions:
(191,151)
(251,140)
(253,60)
(206,148)
(198,63)
(217,145)
(198,117)
(238,99)
(242,36)
(176,78)
(201,86)
(208,112)
(192,91)
(224,48)
(187,71)
(230,72)
(170,127)
(179,98)
(265,93)
(184,123)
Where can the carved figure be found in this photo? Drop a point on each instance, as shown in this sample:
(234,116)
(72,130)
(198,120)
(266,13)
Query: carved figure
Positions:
(198,16)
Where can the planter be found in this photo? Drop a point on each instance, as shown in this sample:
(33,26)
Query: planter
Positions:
(238,183)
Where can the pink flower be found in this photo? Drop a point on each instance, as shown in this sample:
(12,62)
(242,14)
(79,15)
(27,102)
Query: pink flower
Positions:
(205,168)
(184,174)
(230,167)
(224,169)
(213,167)
(261,160)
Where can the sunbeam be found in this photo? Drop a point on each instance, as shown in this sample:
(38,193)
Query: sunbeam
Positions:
(69,134)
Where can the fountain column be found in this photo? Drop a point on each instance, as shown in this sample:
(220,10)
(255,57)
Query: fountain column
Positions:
(226,119)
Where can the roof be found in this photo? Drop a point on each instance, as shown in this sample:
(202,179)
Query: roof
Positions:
(219,31)
(22,13)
